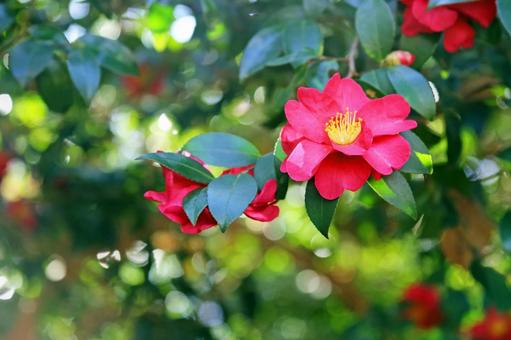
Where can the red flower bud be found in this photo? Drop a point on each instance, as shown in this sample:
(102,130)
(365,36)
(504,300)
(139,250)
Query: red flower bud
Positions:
(399,58)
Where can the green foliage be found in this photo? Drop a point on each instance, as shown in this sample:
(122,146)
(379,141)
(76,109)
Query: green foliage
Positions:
(376,27)
(183,165)
(320,210)
(194,203)
(396,190)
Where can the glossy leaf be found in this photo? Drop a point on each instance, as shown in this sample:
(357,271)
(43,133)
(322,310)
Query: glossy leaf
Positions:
(415,88)
(222,149)
(194,203)
(320,210)
(505,231)
(396,190)
(302,39)
(422,46)
(29,59)
(504,12)
(282,178)
(376,28)
(436,3)
(264,169)
(379,80)
(421,161)
(84,71)
(319,73)
(185,166)
(315,7)
(229,196)
(263,47)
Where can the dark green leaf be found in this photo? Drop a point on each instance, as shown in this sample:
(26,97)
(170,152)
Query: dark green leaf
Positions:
(111,54)
(55,87)
(84,71)
(5,18)
(229,196)
(50,34)
(185,166)
(420,161)
(282,178)
(452,132)
(396,190)
(435,3)
(194,203)
(319,73)
(505,154)
(379,80)
(264,169)
(320,210)
(315,7)
(421,46)
(497,291)
(505,231)
(454,304)
(415,88)
(29,58)
(504,10)
(301,39)
(264,46)
(222,149)
(375,27)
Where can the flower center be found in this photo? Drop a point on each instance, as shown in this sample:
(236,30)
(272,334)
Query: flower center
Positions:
(344,128)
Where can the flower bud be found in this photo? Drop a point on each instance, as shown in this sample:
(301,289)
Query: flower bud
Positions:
(399,58)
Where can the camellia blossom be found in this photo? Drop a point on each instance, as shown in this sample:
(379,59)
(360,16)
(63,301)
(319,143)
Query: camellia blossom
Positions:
(399,58)
(422,305)
(453,20)
(148,81)
(340,136)
(494,326)
(22,213)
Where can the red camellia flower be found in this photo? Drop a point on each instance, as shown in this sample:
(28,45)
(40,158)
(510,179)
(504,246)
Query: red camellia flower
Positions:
(5,157)
(450,19)
(422,305)
(22,213)
(399,58)
(494,326)
(149,81)
(340,136)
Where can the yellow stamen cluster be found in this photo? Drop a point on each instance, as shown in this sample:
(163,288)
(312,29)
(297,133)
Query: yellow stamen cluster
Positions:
(344,128)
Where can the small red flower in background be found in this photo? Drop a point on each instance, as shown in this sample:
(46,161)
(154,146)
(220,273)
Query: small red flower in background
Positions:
(22,213)
(399,58)
(494,326)
(422,305)
(450,19)
(149,81)
(340,136)
(5,157)
(263,207)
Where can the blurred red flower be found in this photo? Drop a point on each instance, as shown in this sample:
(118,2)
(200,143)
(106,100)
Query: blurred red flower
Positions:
(422,305)
(149,81)
(450,19)
(340,136)
(5,157)
(22,213)
(494,326)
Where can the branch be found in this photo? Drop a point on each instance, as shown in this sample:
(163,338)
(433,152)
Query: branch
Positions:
(351,56)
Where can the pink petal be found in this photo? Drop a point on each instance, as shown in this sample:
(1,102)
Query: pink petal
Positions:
(155,196)
(302,163)
(461,35)
(304,121)
(322,105)
(267,193)
(483,11)
(266,214)
(289,138)
(437,19)
(388,153)
(346,92)
(386,115)
(338,172)
(359,146)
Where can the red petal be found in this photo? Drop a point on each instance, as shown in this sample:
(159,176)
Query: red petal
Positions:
(346,92)
(265,214)
(388,153)
(205,221)
(437,19)
(289,138)
(305,122)
(461,35)
(411,26)
(386,115)
(338,172)
(483,11)
(317,102)
(267,194)
(302,163)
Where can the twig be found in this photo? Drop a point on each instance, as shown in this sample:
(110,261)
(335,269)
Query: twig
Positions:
(351,56)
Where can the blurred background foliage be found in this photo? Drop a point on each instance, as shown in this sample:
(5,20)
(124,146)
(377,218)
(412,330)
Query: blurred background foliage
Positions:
(87,86)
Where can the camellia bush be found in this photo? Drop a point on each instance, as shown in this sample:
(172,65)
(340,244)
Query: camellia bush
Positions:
(294,169)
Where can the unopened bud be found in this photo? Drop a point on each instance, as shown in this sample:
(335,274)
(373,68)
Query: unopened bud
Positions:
(399,58)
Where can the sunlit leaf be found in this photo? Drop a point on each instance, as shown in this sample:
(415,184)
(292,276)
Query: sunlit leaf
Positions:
(396,190)
(420,161)
(84,71)
(376,27)
(29,58)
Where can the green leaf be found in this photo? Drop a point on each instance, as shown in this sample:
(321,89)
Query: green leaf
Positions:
(5,18)
(185,166)
(415,88)
(264,46)
(159,17)
(505,154)
(229,196)
(453,134)
(301,39)
(320,210)
(315,7)
(55,87)
(264,170)
(504,11)
(29,59)
(396,190)
(422,46)
(497,291)
(222,149)
(194,203)
(282,178)
(319,73)
(379,80)
(375,27)
(278,151)
(84,71)
(436,3)
(420,161)
(505,231)
(111,54)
